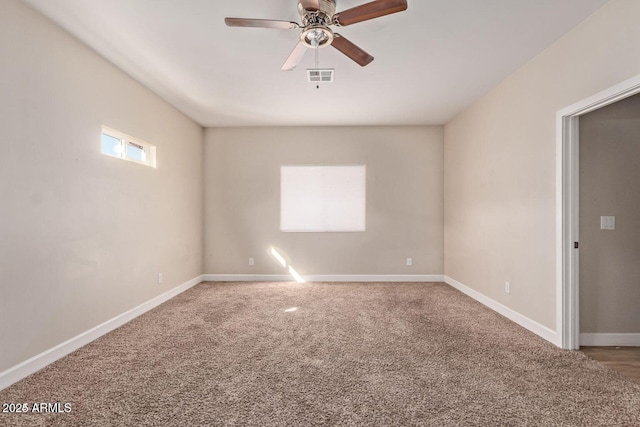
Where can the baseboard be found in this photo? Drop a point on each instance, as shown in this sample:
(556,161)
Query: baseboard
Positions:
(325,278)
(607,340)
(510,314)
(30,366)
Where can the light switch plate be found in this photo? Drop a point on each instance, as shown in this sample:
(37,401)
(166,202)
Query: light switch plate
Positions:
(607,223)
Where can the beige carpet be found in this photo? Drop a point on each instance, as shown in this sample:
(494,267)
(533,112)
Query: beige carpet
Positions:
(351,354)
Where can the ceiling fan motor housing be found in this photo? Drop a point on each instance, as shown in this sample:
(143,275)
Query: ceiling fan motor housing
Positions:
(321,16)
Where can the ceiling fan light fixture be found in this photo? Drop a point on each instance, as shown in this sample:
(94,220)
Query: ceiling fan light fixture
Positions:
(317,36)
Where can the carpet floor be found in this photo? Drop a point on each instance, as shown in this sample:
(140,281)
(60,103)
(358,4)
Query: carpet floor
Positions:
(365,354)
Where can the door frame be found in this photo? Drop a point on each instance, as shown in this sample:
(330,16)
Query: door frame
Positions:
(567,207)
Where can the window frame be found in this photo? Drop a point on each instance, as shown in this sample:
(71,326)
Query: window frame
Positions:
(128,140)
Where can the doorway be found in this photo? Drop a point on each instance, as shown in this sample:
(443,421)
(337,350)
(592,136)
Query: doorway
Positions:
(609,225)
(567,184)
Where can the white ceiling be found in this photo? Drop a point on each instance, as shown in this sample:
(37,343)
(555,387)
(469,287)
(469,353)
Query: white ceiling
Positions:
(432,61)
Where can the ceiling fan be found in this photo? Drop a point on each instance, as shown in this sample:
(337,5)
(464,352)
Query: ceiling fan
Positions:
(317,16)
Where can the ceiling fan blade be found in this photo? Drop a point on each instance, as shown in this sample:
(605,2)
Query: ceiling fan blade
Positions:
(310,4)
(296,56)
(351,50)
(372,10)
(261,23)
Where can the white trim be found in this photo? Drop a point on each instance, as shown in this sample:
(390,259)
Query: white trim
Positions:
(30,366)
(247,278)
(567,181)
(325,278)
(378,278)
(567,215)
(621,340)
(514,316)
(603,98)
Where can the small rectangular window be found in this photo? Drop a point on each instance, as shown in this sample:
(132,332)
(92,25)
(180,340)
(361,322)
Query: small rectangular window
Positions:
(118,144)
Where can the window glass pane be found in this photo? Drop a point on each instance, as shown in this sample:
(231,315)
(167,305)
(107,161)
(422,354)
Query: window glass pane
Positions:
(111,145)
(136,153)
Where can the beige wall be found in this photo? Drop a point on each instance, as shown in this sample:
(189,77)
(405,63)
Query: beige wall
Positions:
(83,235)
(609,183)
(404,200)
(500,162)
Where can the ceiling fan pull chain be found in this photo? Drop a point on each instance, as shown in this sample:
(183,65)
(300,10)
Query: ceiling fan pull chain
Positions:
(317,67)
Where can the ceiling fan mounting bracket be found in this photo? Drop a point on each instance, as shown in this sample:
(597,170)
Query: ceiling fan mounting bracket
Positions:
(324,12)
(323,15)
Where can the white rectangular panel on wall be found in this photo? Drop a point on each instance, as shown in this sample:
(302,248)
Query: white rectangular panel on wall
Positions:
(322,198)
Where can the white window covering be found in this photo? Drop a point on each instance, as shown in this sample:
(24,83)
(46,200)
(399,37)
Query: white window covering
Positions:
(322,198)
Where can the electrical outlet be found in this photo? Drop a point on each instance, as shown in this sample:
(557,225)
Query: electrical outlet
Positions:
(252,261)
(409,261)
(507,287)
(159,278)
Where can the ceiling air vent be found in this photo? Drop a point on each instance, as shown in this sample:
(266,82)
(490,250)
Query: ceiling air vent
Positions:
(320,75)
